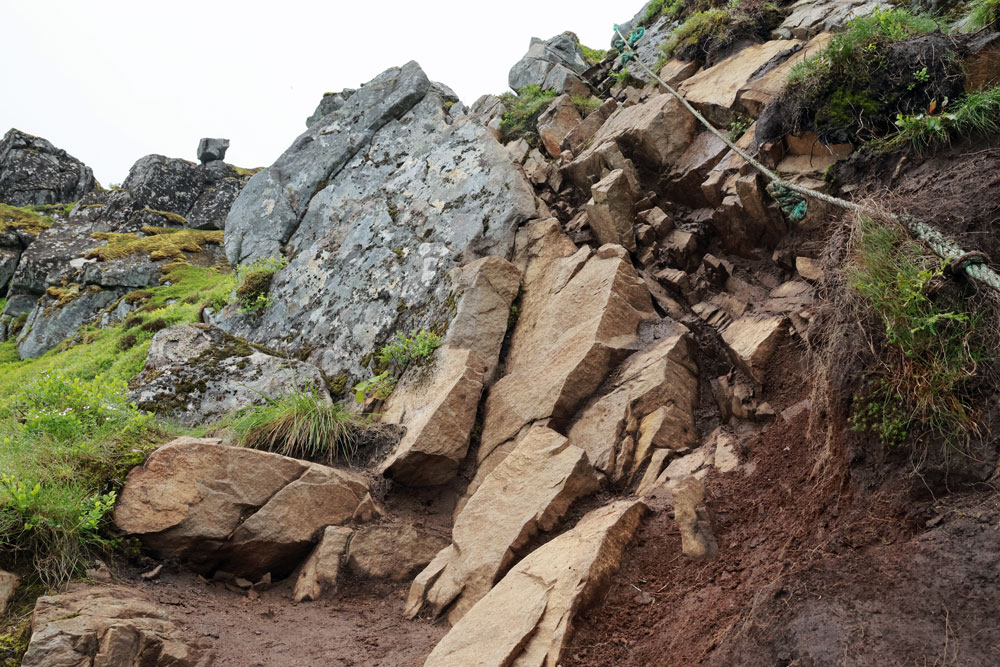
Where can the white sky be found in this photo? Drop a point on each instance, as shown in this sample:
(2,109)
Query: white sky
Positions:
(112,80)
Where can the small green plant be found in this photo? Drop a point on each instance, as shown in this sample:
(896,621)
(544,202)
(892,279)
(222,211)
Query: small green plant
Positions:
(253,283)
(592,56)
(523,110)
(982,14)
(395,357)
(978,113)
(622,76)
(586,105)
(930,345)
(302,425)
(739,126)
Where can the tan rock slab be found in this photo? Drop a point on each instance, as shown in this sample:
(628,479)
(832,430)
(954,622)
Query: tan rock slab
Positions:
(754,95)
(528,618)
(691,515)
(611,211)
(714,91)
(753,339)
(809,269)
(109,626)
(528,492)
(320,571)
(392,551)
(588,127)
(557,121)
(676,72)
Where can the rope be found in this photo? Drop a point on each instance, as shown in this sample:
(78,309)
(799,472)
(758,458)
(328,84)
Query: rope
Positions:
(973,263)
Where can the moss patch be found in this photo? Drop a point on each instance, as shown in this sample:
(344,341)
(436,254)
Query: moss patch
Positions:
(24,219)
(158,242)
(172,217)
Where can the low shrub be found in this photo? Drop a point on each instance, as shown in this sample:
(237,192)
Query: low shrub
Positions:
(523,110)
(704,35)
(254,283)
(592,56)
(928,340)
(302,425)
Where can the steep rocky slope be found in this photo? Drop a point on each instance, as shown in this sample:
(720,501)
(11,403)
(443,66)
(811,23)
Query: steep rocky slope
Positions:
(641,433)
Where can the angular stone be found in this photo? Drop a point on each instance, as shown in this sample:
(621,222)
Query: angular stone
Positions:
(51,321)
(755,94)
(809,17)
(611,212)
(241,510)
(8,585)
(34,172)
(663,377)
(693,167)
(752,340)
(689,465)
(392,552)
(578,137)
(197,373)
(553,64)
(528,618)
(320,571)
(579,318)
(809,269)
(438,405)
(691,515)
(675,72)
(109,626)
(557,121)
(210,150)
(657,460)
(530,491)
(714,91)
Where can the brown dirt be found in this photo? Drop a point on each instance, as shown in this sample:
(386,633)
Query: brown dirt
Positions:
(362,625)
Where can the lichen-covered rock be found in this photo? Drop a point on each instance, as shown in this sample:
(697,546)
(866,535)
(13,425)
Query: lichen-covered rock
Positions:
(210,149)
(529,492)
(197,373)
(552,64)
(34,172)
(373,206)
(528,618)
(109,626)
(245,511)
(52,320)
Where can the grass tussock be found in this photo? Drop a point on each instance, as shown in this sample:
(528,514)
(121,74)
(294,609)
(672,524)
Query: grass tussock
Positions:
(23,218)
(302,425)
(709,28)
(523,110)
(158,242)
(928,339)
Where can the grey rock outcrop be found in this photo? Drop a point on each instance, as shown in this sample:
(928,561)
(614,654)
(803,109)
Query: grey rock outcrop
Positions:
(553,64)
(197,373)
(212,149)
(109,626)
(373,206)
(330,103)
(34,172)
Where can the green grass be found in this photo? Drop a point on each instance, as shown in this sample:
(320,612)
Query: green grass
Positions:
(669,8)
(392,361)
(68,434)
(586,105)
(695,30)
(982,14)
(930,343)
(976,114)
(592,56)
(301,425)
(523,110)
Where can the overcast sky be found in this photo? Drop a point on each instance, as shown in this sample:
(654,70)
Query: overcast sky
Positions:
(111,81)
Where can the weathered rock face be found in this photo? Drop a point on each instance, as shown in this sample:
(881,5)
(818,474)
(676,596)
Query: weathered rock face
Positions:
(373,206)
(553,64)
(809,17)
(197,373)
(240,510)
(210,149)
(109,626)
(530,491)
(527,619)
(580,315)
(34,172)
(438,405)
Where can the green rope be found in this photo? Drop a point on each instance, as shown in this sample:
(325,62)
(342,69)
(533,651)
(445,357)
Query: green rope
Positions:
(973,264)
(630,42)
(792,203)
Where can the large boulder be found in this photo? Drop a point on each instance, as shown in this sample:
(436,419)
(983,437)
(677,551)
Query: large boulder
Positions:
(373,206)
(552,64)
(244,511)
(197,373)
(528,618)
(34,172)
(109,626)
(529,492)
(437,406)
(580,316)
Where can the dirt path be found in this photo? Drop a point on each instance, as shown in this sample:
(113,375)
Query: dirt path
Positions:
(362,625)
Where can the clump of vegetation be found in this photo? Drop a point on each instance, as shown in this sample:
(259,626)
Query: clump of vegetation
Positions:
(586,105)
(24,218)
(523,110)
(392,361)
(669,8)
(978,113)
(158,242)
(929,341)
(705,34)
(175,218)
(881,65)
(982,14)
(592,56)
(254,283)
(64,439)
(302,425)
(739,126)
